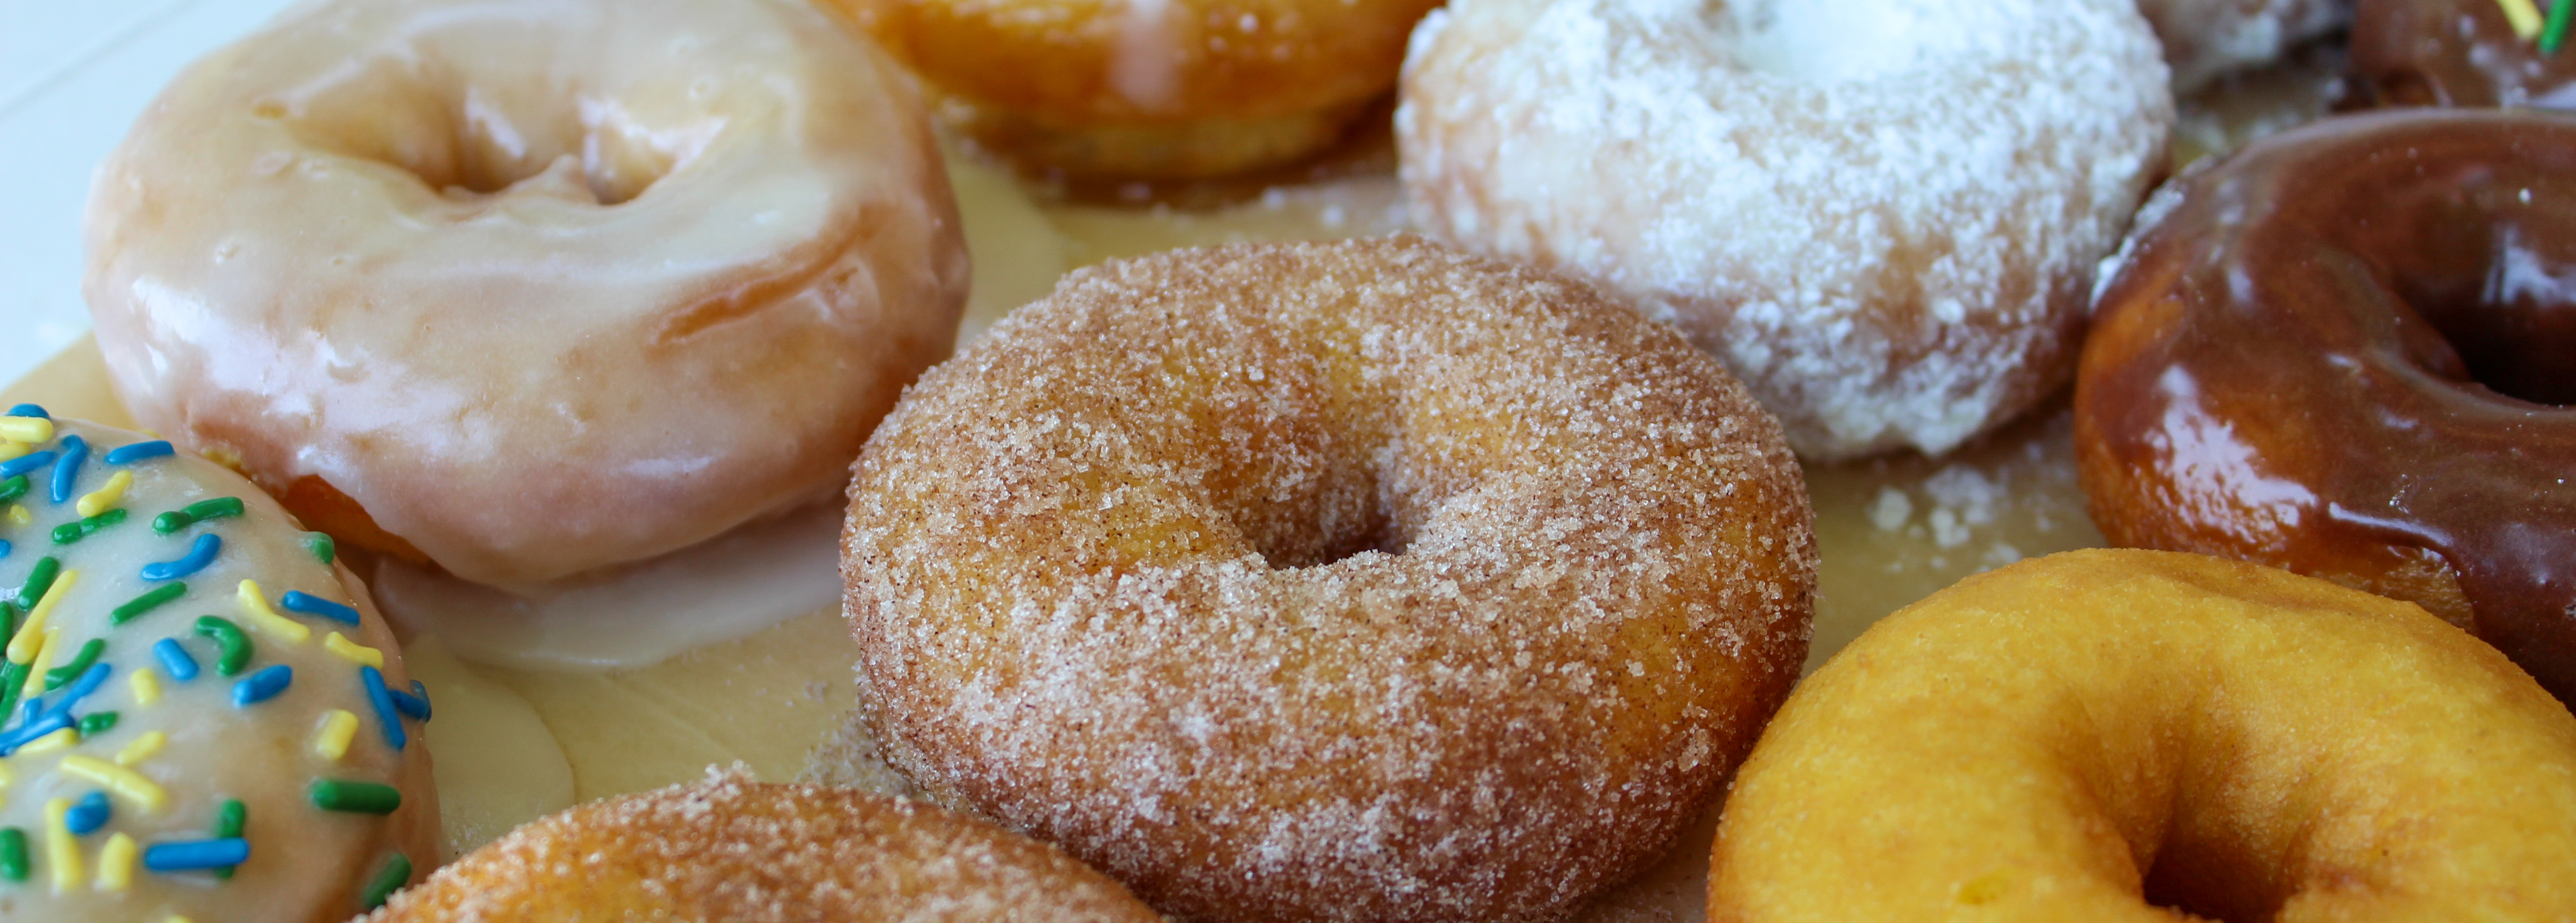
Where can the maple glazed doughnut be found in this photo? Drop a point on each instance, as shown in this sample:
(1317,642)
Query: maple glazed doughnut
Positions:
(2141,735)
(1878,214)
(2346,351)
(731,849)
(1147,89)
(1357,581)
(528,289)
(2456,53)
(206,719)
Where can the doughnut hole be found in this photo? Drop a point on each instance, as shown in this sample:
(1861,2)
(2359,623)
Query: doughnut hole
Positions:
(2495,280)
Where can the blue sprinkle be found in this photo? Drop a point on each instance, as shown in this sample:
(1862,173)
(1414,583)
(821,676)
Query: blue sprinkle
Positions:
(135,452)
(199,555)
(300,601)
(175,659)
(90,814)
(414,704)
(262,686)
(81,688)
(35,705)
(30,410)
(26,463)
(38,727)
(67,468)
(383,700)
(4,547)
(192,855)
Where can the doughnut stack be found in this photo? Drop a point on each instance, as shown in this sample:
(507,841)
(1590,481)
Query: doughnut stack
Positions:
(1412,578)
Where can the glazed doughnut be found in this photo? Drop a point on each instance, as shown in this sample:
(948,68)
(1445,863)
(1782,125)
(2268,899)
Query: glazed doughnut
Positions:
(2121,735)
(206,718)
(2454,53)
(1876,212)
(2207,39)
(2346,351)
(528,288)
(1149,89)
(1360,581)
(731,849)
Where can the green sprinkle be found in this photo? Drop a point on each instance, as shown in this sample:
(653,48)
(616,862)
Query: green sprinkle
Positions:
(388,880)
(13,854)
(13,680)
(61,676)
(147,602)
(2554,32)
(97,722)
(38,581)
(320,545)
(228,824)
(194,513)
(12,489)
(355,797)
(9,617)
(70,532)
(231,646)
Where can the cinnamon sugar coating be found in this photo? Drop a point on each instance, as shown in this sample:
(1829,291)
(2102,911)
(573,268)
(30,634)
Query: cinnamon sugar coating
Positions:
(729,849)
(1361,581)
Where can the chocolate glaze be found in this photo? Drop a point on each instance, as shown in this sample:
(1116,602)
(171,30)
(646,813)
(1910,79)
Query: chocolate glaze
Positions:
(2454,53)
(2301,363)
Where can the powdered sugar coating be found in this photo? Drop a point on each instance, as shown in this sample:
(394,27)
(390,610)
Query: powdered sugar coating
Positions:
(1361,581)
(730,849)
(2205,39)
(1884,215)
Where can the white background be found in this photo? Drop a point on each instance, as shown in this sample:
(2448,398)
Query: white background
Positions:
(73,74)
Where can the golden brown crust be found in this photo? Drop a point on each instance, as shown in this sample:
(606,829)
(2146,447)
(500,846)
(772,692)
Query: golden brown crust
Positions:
(736,851)
(1352,581)
(2106,734)
(1150,90)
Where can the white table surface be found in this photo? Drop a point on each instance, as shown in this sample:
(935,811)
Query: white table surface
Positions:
(73,74)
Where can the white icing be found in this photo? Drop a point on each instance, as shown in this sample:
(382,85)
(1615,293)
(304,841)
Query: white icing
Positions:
(637,615)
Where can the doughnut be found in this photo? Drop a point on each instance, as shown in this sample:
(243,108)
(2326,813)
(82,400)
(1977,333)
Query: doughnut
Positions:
(733,849)
(2140,735)
(2344,352)
(2455,53)
(1876,212)
(206,718)
(1354,581)
(1149,89)
(528,289)
(2208,39)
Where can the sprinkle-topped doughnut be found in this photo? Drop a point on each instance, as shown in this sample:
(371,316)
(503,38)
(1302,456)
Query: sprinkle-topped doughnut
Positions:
(184,683)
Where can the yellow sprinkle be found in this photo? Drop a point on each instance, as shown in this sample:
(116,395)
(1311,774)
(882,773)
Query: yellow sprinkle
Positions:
(36,667)
(142,748)
(118,780)
(63,739)
(18,515)
(6,775)
(2524,17)
(255,608)
(105,497)
(22,647)
(354,651)
(175,918)
(61,850)
(9,450)
(26,429)
(146,685)
(331,740)
(116,863)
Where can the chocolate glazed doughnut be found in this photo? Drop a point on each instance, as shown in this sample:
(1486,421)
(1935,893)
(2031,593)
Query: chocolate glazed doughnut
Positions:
(2453,53)
(2348,351)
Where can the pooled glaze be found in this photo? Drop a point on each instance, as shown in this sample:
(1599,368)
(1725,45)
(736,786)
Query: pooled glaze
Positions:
(2454,53)
(2347,351)
(542,286)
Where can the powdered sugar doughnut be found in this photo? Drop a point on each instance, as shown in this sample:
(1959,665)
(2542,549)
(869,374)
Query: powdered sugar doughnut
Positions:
(1884,215)
(1362,581)
(2205,39)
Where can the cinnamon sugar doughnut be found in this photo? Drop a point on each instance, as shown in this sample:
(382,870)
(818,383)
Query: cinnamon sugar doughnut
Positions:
(733,850)
(528,288)
(1359,581)
(2141,735)
(1882,214)
(1150,89)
